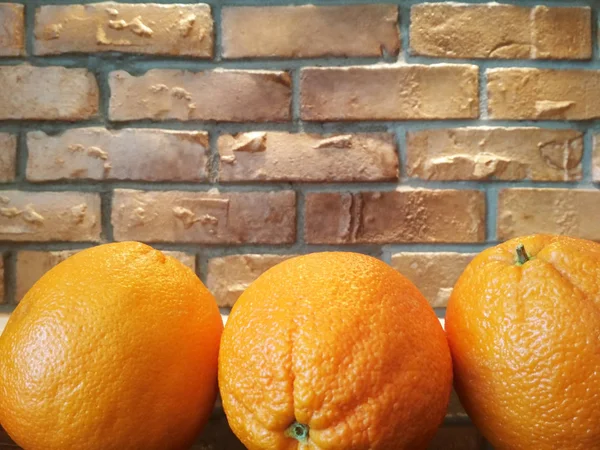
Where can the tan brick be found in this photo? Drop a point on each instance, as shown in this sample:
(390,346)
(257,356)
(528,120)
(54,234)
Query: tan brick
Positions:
(223,95)
(495,153)
(289,31)
(433,273)
(130,154)
(392,92)
(31,265)
(8,157)
(174,30)
(457,437)
(12,29)
(2,288)
(47,93)
(404,215)
(596,159)
(205,217)
(453,30)
(557,211)
(525,93)
(274,156)
(229,276)
(49,216)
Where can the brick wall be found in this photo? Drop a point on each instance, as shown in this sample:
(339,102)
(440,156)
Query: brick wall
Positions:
(234,135)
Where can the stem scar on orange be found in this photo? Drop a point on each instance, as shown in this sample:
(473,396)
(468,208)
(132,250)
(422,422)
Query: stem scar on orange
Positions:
(330,351)
(523,324)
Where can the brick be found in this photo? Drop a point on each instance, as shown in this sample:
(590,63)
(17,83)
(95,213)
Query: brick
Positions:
(525,93)
(433,273)
(47,93)
(289,31)
(49,216)
(2,288)
(453,30)
(556,211)
(273,156)
(174,30)
(221,95)
(457,437)
(229,276)
(392,92)
(596,159)
(8,157)
(404,215)
(495,154)
(130,154)
(12,29)
(205,217)
(31,265)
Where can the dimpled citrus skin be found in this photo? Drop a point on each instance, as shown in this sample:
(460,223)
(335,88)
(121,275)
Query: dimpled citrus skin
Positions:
(525,343)
(339,342)
(114,348)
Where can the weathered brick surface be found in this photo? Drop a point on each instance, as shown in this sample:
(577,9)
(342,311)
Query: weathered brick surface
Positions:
(31,265)
(174,30)
(452,30)
(222,95)
(229,276)
(47,93)
(130,154)
(558,211)
(309,31)
(495,153)
(544,94)
(457,437)
(205,217)
(8,156)
(49,216)
(394,92)
(404,215)
(273,156)
(596,159)
(12,29)
(433,273)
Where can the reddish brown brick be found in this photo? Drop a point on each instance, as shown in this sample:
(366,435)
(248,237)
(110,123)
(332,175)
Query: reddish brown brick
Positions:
(393,92)
(289,31)
(433,273)
(174,30)
(8,157)
(492,30)
(205,217)
(47,93)
(223,95)
(31,265)
(273,156)
(526,93)
(12,29)
(404,215)
(457,437)
(229,276)
(572,212)
(49,216)
(130,154)
(495,153)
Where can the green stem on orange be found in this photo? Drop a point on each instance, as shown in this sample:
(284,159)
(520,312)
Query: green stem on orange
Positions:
(522,256)
(297,431)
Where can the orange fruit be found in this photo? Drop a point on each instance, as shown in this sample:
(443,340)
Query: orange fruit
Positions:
(114,348)
(524,334)
(334,351)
